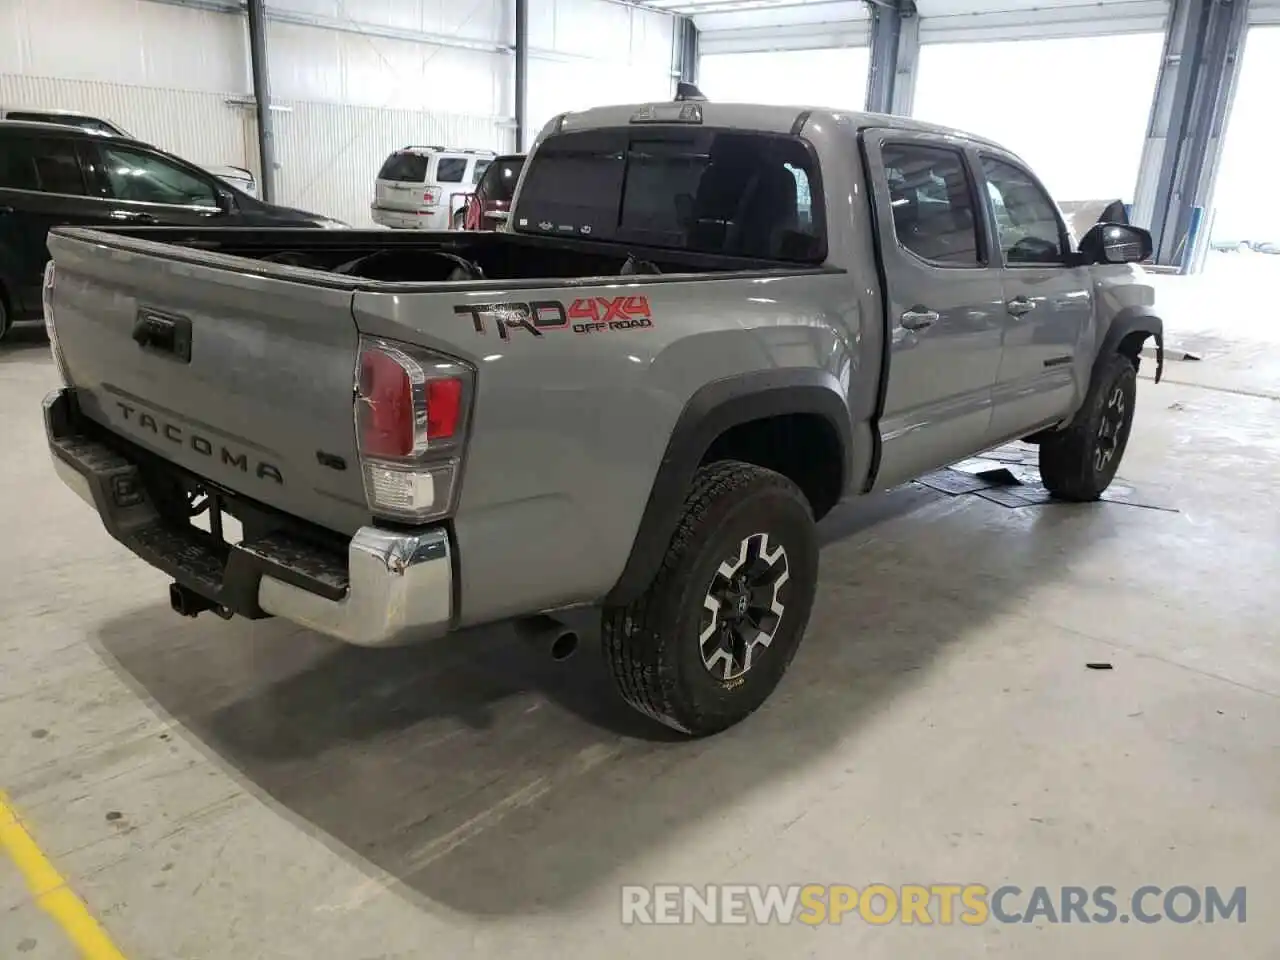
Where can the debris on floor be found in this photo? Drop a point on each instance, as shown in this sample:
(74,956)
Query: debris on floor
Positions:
(1100,666)
(1010,477)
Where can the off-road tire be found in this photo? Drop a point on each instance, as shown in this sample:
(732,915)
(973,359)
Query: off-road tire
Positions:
(653,645)
(459,220)
(1072,463)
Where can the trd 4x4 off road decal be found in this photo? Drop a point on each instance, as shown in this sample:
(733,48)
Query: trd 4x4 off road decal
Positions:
(585,315)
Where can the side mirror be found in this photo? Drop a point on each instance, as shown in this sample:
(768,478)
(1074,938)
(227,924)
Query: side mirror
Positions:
(1116,243)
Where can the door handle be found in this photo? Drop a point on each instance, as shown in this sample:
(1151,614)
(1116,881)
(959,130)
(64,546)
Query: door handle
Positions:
(131,217)
(918,318)
(5,210)
(1020,306)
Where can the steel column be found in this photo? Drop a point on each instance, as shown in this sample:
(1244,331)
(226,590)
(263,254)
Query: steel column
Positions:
(895,50)
(1204,41)
(687,54)
(257,13)
(522,73)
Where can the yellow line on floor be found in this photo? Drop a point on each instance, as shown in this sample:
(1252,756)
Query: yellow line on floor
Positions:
(51,891)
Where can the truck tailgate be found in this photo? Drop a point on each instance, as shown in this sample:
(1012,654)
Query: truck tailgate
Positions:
(259,400)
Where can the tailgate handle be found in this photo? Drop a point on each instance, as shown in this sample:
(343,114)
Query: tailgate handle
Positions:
(162,334)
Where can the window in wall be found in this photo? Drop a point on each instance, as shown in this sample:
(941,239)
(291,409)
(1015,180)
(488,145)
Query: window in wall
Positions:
(932,201)
(1246,206)
(819,78)
(1028,96)
(1026,220)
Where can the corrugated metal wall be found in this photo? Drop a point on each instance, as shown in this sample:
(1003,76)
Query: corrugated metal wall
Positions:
(587,53)
(163,73)
(354,79)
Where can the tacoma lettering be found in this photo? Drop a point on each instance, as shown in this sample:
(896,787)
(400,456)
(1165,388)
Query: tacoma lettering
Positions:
(201,445)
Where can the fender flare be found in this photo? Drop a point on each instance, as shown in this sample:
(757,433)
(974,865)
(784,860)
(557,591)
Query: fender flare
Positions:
(713,409)
(1133,320)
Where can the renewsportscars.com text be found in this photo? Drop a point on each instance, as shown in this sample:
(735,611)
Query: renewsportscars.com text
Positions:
(971,904)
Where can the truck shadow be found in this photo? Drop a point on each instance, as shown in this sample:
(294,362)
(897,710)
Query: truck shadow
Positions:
(481,775)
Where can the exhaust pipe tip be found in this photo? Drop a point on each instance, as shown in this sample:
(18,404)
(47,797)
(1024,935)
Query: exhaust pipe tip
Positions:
(564,646)
(548,634)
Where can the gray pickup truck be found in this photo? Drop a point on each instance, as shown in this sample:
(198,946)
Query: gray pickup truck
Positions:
(705,325)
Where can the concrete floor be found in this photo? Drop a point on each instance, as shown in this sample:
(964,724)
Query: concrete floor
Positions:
(234,790)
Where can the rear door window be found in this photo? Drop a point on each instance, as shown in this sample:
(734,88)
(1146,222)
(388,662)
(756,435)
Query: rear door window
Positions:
(405,167)
(451,169)
(932,198)
(711,191)
(46,164)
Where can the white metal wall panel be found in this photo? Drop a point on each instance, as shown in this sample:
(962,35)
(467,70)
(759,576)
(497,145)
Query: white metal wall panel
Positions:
(351,68)
(486,20)
(971,21)
(124,41)
(329,154)
(1264,12)
(805,36)
(587,53)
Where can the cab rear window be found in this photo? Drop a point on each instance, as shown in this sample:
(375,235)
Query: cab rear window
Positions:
(405,168)
(711,191)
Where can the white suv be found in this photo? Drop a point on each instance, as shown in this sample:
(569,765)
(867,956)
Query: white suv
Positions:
(425,188)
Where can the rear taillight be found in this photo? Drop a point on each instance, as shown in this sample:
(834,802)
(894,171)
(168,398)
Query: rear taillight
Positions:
(431,196)
(410,412)
(46,302)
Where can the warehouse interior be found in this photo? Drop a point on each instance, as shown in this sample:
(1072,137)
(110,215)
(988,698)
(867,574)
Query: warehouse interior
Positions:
(1045,695)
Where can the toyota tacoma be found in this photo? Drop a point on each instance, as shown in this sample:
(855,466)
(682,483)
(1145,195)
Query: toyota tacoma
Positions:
(705,325)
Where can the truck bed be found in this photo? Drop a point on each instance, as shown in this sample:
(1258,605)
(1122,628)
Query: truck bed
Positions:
(429,257)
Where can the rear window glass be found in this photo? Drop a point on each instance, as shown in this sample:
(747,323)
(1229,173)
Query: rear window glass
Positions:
(711,191)
(405,167)
(499,182)
(45,164)
(451,169)
(481,167)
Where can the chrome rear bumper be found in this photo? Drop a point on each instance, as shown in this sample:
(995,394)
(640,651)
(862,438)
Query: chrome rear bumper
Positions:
(391,588)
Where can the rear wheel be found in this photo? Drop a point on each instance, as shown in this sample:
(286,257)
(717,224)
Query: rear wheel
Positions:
(459,219)
(1080,462)
(710,639)
(5,322)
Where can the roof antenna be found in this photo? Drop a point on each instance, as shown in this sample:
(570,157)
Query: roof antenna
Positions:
(688,91)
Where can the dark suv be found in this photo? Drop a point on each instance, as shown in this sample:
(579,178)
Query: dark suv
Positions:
(54,174)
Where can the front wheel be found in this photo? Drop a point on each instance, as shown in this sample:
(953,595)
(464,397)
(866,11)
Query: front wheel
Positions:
(711,637)
(4,316)
(1080,462)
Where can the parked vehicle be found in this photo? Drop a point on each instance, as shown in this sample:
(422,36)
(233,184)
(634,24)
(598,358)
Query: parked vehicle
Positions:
(53,174)
(489,207)
(425,188)
(239,177)
(706,325)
